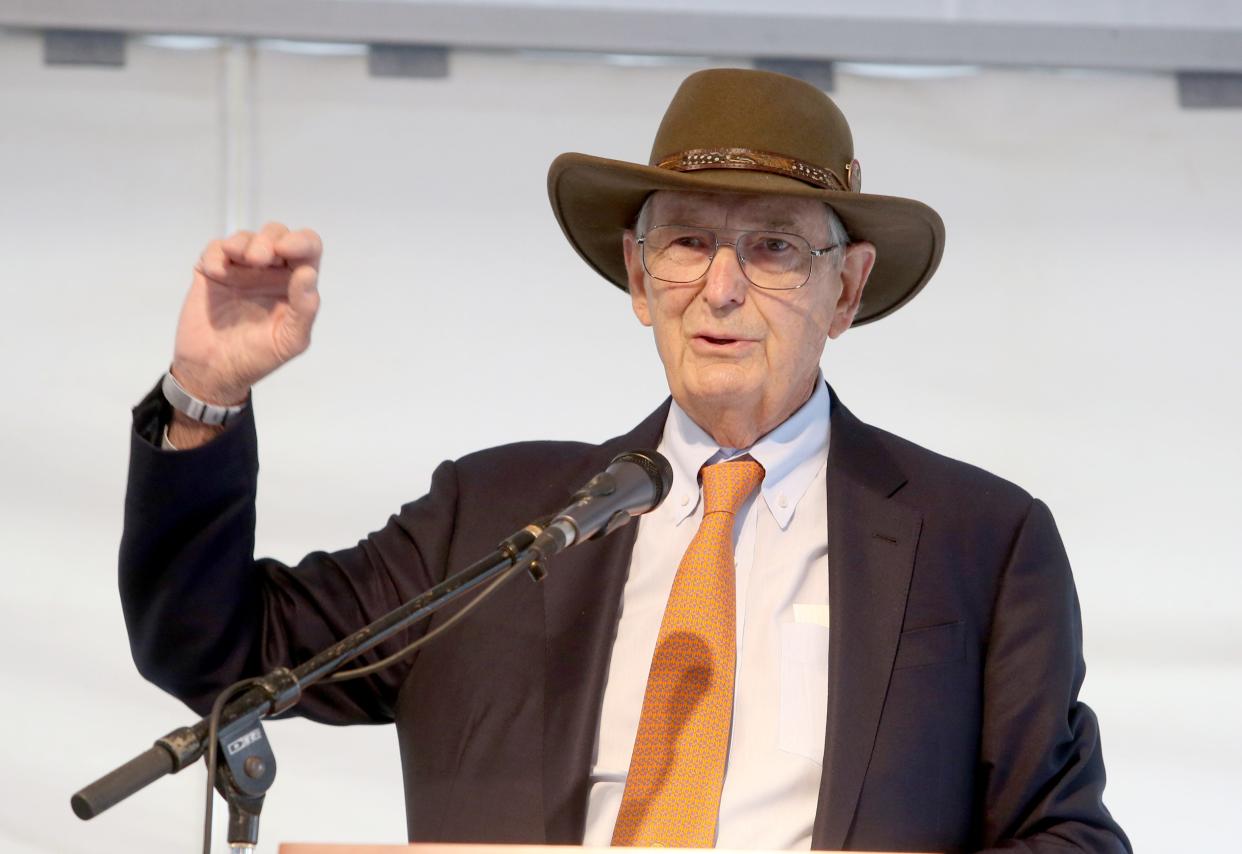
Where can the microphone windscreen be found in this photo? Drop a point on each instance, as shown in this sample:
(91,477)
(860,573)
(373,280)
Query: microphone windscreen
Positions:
(656,467)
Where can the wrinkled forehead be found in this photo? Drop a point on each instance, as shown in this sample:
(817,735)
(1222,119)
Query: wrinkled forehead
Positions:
(807,217)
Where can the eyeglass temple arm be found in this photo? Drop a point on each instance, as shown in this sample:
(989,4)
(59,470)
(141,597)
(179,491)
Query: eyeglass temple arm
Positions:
(815,253)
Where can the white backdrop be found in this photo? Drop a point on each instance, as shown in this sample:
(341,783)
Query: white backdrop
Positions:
(1080,339)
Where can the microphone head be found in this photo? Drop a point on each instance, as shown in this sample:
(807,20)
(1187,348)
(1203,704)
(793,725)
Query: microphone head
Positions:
(634,483)
(656,467)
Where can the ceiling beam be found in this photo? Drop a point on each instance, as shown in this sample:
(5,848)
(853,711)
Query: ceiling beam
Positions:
(946,33)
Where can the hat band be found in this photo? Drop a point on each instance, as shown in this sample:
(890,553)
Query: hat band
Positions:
(751,160)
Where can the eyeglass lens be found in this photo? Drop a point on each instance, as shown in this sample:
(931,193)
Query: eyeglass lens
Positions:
(770,259)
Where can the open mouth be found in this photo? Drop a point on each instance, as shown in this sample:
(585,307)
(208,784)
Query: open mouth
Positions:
(721,344)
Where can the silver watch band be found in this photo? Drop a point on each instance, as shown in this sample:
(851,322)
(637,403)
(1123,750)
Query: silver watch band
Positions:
(195,409)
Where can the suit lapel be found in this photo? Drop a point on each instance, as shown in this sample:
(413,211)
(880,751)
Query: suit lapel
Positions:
(582,599)
(871,546)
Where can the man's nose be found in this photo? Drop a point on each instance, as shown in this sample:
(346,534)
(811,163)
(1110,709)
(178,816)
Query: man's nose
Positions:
(725,282)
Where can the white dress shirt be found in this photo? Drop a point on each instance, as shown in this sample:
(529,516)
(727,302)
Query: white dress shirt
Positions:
(776,748)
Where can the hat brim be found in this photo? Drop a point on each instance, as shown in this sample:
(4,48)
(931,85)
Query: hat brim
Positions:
(595,199)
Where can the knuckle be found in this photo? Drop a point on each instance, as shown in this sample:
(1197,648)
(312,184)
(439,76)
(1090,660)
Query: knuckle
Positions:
(259,248)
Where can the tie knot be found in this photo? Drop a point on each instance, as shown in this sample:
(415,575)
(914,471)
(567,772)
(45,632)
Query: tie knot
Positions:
(726,486)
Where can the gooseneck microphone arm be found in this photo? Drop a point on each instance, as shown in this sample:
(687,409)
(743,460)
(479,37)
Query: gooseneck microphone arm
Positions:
(634,483)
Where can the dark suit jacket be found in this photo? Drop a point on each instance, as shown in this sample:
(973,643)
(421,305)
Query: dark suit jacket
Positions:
(955,648)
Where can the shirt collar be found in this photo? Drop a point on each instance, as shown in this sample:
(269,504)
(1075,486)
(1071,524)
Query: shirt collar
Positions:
(791,456)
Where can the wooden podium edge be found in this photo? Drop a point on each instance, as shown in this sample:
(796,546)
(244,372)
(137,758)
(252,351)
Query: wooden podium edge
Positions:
(480,848)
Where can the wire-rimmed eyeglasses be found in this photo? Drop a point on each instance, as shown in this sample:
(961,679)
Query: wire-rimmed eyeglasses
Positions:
(772,260)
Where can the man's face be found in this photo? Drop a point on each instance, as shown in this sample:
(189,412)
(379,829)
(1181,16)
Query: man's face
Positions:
(729,347)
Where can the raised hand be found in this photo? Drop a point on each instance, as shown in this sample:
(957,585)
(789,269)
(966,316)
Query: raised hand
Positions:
(250,309)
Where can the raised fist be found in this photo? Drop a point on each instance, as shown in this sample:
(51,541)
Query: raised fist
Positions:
(249,310)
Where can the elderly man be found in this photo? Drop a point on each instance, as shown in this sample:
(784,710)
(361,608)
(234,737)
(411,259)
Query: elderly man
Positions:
(827,637)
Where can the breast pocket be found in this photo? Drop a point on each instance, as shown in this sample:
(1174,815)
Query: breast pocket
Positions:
(804,689)
(930,645)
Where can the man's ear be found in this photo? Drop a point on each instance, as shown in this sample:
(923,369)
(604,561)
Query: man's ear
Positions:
(856,266)
(635,277)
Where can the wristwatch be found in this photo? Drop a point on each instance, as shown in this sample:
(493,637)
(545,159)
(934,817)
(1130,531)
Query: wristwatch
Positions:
(195,409)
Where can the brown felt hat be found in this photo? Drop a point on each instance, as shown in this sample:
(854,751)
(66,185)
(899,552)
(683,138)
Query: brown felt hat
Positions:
(732,130)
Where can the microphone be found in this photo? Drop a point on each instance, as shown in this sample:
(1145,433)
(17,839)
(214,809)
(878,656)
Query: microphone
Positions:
(634,483)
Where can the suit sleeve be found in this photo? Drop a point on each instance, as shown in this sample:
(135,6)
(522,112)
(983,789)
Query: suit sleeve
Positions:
(1043,770)
(201,612)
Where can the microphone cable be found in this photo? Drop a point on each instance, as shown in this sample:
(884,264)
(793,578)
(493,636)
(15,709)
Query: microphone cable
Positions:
(408,649)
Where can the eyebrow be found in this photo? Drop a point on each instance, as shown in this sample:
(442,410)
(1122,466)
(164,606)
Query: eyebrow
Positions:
(681,216)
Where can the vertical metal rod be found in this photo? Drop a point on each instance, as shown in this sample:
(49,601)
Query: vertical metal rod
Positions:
(238,140)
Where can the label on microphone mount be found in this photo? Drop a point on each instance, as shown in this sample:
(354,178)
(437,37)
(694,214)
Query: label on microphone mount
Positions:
(244,741)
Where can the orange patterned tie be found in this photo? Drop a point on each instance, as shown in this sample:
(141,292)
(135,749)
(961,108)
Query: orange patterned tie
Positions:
(672,792)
